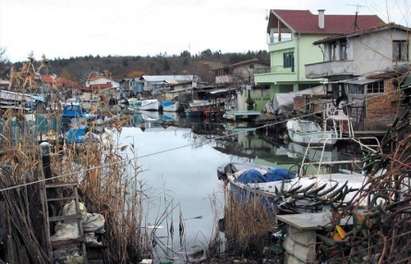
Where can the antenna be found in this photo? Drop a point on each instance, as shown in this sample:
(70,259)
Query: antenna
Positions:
(357,9)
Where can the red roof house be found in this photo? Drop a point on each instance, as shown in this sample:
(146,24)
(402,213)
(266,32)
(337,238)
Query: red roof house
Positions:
(303,21)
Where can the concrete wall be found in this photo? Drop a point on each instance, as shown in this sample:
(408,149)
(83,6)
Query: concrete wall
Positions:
(372,52)
(309,53)
(304,53)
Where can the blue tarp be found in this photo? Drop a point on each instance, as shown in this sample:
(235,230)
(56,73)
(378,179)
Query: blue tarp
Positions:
(273,174)
(251,176)
(167,103)
(76,135)
(278,174)
(72,111)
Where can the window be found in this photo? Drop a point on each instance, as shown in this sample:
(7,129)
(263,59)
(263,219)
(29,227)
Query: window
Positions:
(375,87)
(356,89)
(400,50)
(343,50)
(285,88)
(288,60)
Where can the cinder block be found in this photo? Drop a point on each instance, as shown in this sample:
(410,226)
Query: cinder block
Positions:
(289,259)
(305,254)
(305,238)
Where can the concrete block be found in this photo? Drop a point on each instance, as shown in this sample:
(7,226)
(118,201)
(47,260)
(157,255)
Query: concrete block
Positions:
(302,253)
(289,259)
(305,238)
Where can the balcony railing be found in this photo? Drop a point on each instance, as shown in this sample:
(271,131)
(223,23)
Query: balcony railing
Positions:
(329,68)
(274,69)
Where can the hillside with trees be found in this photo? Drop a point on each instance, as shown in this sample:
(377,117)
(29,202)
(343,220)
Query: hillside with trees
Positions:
(77,68)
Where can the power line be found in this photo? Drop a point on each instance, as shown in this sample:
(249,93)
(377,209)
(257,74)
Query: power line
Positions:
(182,146)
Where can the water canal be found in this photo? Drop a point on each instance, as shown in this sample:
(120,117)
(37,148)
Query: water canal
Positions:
(184,177)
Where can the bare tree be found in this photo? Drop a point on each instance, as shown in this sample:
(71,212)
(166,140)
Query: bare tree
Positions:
(4,62)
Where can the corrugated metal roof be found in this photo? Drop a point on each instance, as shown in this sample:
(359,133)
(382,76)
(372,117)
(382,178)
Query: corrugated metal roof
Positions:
(167,78)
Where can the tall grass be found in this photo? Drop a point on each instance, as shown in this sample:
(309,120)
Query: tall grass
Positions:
(109,188)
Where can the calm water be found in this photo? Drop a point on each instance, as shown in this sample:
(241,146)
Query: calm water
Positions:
(185,178)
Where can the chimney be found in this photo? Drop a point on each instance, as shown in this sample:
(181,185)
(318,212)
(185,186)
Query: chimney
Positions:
(321,18)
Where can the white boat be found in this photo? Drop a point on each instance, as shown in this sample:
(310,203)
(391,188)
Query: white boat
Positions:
(314,185)
(240,182)
(143,105)
(305,132)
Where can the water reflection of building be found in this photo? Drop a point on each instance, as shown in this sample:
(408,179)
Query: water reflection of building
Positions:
(252,146)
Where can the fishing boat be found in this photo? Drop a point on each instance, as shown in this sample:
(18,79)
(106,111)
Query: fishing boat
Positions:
(169,106)
(310,186)
(143,105)
(305,132)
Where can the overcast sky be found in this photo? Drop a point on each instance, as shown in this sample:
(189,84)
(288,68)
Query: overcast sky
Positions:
(64,28)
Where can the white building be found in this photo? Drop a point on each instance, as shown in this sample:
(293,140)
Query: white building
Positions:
(361,53)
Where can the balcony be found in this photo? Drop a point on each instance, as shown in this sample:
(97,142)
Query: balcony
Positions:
(282,45)
(274,75)
(329,69)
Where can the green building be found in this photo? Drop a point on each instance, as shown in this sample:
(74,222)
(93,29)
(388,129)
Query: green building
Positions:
(291,34)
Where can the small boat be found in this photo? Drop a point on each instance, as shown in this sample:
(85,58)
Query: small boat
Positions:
(309,132)
(169,106)
(280,190)
(143,105)
(316,184)
(241,115)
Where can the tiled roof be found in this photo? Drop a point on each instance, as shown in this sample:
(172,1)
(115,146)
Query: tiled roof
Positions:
(303,21)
